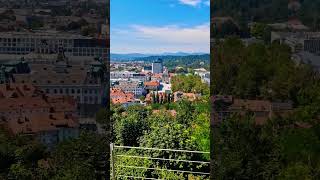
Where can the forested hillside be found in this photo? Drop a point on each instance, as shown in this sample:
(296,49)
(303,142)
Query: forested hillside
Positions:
(191,61)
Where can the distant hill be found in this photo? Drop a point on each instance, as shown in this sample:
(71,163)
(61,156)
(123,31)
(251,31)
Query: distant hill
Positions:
(126,57)
(205,57)
(190,61)
(135,56)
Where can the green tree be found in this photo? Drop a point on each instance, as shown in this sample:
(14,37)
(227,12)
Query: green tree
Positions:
(131,126)
(245,151)
(81,158)
(261,31)
(296,171)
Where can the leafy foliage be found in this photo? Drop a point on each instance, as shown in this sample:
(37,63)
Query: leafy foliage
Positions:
(189,84)
(277,149)
(186,130)
(24,158)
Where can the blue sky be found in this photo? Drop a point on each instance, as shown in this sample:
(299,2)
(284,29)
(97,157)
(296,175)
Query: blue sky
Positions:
(158,26)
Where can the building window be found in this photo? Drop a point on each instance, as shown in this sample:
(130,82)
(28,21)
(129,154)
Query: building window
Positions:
(61,91)
(72,91)
(47,91)
(78,91)
(55,91)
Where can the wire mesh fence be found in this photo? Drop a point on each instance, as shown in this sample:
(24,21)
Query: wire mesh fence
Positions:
(129,162)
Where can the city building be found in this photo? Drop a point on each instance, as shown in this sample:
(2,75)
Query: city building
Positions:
(307,58)
(86,84)
(118,96)
(293,24)
(133,76)
(299,41)
(156,77)
(131,87)
(204,74)
(157,66)
(147,69)
(25,109)
(152,85)
(7,69)
(224,106)
(76,47)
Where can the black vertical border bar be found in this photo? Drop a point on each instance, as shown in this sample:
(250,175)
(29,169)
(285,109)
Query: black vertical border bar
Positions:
(108,135)
(212,54)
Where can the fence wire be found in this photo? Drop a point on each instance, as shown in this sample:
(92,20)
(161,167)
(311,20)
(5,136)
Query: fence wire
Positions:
(116,154)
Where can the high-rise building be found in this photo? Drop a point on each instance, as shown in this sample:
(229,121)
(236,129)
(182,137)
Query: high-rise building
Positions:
(157,66)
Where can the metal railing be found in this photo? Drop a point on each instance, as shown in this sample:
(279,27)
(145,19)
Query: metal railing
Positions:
(116,154)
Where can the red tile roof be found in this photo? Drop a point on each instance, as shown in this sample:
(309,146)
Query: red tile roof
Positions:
(26,109)
(41,122)
(152,83)
(118,96)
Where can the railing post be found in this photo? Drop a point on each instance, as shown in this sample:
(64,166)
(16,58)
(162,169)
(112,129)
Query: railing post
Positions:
(112,161)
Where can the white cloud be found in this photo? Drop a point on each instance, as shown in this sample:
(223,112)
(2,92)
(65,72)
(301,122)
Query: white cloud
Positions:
(207,2)
(159,39)
(173,33)
(190,2)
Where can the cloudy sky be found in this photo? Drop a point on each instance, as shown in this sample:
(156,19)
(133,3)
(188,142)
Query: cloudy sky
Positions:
(158,26)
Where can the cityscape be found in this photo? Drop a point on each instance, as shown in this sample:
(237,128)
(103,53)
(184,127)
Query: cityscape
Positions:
(167,89)
(159,94)
(137,83)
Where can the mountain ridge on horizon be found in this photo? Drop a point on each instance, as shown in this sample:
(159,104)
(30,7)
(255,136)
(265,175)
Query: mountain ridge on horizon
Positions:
(133,56)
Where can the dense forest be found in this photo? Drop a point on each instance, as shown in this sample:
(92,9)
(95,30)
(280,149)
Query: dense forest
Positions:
(24,158)
(277,149)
